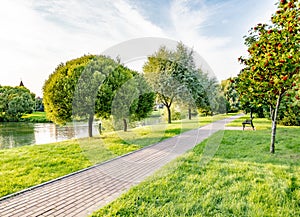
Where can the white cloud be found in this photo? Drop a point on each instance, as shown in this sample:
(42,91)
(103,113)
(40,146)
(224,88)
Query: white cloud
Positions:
(41,34)
(36,35)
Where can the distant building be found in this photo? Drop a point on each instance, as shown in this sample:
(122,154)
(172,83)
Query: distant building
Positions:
(21,84)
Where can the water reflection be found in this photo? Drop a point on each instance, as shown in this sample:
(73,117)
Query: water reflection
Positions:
(20,134)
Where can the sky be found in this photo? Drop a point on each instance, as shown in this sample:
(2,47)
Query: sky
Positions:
(38,35)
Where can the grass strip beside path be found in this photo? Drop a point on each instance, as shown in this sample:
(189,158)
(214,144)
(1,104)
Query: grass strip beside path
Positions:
(242,179)
(27,166)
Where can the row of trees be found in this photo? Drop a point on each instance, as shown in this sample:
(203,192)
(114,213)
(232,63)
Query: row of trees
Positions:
(14,102)
(99,86)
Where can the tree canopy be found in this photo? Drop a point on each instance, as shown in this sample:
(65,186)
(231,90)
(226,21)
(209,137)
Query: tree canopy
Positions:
(85,87)
(59,88)
(232,97)
(15,102)
(174,76)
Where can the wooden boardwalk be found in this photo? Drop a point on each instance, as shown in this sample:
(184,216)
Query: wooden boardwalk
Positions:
(83,192)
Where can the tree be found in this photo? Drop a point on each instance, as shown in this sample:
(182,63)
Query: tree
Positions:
(111,84)
(87,88)
(70,92)
(84,87)
(125,95)
(174,77)
(188,74)
(272,67)
(15,102)
(39,106)
(159,74)
(231,95)
(145,100)
(59,88)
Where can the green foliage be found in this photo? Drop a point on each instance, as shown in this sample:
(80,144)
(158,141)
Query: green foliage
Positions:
(39,105)
(59,88)
(124,95)
(109,88)
(15,102)
(160,72)
(289,113)
(241,180)
(87,86)
(232,97)
(144,101)
(175,78)
(273,65)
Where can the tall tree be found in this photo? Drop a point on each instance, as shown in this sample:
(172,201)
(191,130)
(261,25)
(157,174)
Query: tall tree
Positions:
(175,77)
(59,88)
(159,73)
(71,90)
(191,76)
(87,88)
(272,67)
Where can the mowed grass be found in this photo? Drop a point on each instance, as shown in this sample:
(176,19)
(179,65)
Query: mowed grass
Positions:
(259,123)
(36,117)
(242,179)
(27,166)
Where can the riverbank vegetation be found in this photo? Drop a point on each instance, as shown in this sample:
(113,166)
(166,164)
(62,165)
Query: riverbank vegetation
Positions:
(242,179)
(27,166)
(36,117)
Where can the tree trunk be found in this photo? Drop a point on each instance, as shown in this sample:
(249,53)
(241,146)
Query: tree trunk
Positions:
(274,125)
(91,119)
(169,114)
(125,125)
(190,114)
(251,114)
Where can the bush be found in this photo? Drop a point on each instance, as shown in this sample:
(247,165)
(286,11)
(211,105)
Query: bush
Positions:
(290,119)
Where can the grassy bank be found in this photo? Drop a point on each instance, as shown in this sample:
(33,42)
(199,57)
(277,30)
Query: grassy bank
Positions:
(242,179)
(31,165)
(36,117)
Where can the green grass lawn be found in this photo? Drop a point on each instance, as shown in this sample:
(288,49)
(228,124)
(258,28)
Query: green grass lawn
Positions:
(27,166)
(36,117)
(242,179)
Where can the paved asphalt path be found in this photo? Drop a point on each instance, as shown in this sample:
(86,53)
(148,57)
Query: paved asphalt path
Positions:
(83,192)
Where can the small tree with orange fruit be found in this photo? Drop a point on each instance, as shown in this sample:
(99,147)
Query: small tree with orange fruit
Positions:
(272,67)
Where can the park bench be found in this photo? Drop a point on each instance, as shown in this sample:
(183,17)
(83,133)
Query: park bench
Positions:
(248,121)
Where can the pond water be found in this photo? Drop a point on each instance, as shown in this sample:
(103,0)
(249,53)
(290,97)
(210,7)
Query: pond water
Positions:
(20,134)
